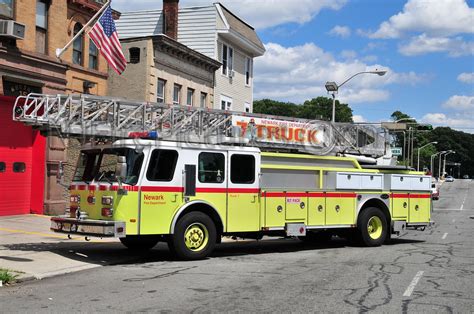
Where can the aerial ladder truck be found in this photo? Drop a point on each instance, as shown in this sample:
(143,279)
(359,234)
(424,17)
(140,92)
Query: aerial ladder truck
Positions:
(190,176)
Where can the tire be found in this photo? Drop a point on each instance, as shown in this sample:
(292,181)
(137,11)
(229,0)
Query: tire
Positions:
(194,236)
(372,226)
(140,243)
(316,237)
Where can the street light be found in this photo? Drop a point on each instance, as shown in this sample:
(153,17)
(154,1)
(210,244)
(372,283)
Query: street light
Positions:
(431,162)
(418,164)
(441,158)
(444,162)
(333,87)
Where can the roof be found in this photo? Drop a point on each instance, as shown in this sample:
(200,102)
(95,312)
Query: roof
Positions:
(196,27)
(238,25)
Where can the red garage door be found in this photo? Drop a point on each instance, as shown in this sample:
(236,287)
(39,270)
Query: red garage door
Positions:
(22,163)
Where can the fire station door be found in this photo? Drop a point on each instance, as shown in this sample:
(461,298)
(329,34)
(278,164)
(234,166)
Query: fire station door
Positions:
(243,192)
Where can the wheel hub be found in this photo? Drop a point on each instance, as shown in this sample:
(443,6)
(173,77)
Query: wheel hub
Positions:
(374,227)
(196,237)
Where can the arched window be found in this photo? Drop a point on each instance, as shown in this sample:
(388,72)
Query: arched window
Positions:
(78,46)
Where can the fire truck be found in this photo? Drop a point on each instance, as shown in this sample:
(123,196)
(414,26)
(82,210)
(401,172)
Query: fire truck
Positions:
(190,176)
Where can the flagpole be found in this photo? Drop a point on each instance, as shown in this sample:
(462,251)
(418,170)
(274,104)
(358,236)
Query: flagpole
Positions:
(60,51)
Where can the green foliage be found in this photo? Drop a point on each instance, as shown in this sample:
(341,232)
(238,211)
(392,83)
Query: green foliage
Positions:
(319,108)
(447,138)
(6,276)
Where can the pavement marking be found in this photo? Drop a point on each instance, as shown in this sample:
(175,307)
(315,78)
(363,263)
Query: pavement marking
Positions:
(463,201)
(444,236)
(454,220)
(413,283)
(80,254)
(33,233)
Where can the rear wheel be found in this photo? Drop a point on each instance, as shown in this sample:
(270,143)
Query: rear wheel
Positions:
(194,236)
(372,226)
(140,242)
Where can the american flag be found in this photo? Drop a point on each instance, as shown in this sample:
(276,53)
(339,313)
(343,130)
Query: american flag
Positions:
(104,35)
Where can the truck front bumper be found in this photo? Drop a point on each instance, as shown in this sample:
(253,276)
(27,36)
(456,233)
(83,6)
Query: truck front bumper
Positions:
(89,227)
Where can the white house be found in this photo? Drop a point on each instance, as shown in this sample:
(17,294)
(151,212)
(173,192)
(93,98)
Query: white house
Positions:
(215,32)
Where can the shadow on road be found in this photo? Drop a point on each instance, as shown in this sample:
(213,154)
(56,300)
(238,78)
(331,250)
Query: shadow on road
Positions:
(115,254)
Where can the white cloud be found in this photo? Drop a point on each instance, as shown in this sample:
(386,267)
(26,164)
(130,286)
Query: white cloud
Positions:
(341,31)
(299,73)
(460,103)
(466,77)
(434,17)
(348,54)
(453,121)
(423,44)
(358,118)
(260,14)
(460,114)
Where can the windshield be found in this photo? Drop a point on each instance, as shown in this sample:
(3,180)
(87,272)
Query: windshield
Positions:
(99,165)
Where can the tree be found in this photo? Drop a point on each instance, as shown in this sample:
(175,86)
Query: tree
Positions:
(319,108)
(275,108)
(398,115)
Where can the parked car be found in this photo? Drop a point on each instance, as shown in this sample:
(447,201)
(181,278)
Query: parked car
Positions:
(465,176)
(434,192)
(449,179)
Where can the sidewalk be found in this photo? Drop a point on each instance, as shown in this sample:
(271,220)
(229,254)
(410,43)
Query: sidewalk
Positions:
(28,246)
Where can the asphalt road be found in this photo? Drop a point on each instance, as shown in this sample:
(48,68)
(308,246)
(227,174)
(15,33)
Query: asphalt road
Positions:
(430,271)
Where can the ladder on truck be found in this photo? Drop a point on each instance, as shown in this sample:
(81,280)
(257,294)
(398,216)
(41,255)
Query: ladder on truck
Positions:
(88,116)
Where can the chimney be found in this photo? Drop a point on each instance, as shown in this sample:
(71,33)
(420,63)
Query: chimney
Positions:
(170,18)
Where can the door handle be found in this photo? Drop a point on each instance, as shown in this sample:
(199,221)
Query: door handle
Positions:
(175,198)
(254,199)
(405,204)
(320,208)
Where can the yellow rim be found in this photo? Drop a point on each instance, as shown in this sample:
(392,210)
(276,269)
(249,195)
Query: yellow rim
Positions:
(196,237)
(374,227)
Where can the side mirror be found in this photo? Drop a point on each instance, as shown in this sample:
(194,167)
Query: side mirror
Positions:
(121,167)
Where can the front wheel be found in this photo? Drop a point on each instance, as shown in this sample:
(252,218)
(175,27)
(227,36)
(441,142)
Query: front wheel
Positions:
(372,226)
(194,236)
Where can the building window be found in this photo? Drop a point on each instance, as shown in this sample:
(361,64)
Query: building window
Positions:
(211,167)
(134,55)
(226,103)
(93,55)
(176,94)
(247,107)
(78,45)
(41,25)
(227,59)
(248,71)
(160,93)
(203,103)
(19,167)
(190,97)
(6,8)
(3,166)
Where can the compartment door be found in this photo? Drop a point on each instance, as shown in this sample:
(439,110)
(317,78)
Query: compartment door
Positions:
(340,208)
(296,206)
(274,209)
(420,208)
(316,209)
(400,203)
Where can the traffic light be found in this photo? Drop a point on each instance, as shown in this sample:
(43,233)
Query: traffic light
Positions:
(424,127)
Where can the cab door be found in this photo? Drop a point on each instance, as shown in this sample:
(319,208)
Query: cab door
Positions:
(243,206)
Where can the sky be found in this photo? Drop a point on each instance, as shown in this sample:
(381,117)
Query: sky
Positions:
(427,47)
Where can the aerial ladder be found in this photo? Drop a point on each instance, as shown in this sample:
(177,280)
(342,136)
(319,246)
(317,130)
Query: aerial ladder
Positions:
(107,118)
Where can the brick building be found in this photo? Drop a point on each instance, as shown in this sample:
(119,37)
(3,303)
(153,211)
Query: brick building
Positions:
(30,65)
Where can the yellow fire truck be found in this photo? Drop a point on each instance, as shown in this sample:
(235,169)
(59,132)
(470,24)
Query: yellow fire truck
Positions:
(189,176)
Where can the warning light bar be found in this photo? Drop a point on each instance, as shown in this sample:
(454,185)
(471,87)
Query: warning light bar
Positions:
(153,135)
